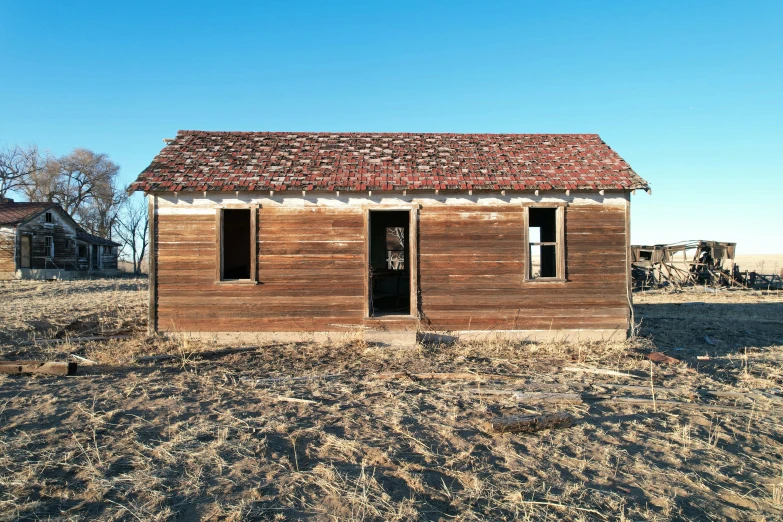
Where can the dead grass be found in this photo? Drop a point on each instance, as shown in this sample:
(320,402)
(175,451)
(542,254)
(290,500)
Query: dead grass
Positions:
(192,439)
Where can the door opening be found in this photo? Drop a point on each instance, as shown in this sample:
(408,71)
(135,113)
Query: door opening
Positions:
(25,254)
(390,261)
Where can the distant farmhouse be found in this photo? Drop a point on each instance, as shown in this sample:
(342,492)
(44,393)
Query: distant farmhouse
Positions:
(41,241)
(384,235)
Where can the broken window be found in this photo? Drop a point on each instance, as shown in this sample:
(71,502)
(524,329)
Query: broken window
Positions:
(48,217)
(545,245)
(395,248)
(49,246)
(82,250)
(645,255)
(235,244)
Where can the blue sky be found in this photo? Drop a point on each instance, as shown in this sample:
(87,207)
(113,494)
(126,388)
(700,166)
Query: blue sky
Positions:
(689,93)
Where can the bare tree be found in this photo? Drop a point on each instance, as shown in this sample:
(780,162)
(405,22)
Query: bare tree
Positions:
(82,176)
(131,227)
(17,164)
(84,183)
(40,184)
(99,215)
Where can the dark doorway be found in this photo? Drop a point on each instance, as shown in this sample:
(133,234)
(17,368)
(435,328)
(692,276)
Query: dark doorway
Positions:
(25,247)
(236,244)
(389,263)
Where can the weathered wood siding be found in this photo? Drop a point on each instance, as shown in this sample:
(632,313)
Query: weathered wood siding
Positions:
(109,260)
(65,257)
(7,242)
(311,269)
(472,263)
(310,273)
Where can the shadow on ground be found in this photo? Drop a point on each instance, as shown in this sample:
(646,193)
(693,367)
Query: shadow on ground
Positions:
(714,329)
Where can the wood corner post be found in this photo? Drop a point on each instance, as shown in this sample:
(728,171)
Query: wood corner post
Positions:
(254,243)
(152,319)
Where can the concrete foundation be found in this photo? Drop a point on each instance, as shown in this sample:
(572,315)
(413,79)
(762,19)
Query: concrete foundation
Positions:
(403,338)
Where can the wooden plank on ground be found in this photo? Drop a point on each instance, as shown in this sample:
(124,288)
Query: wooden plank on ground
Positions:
(531,423)
(42,367)
(207,354)
(436,376)
(599,371)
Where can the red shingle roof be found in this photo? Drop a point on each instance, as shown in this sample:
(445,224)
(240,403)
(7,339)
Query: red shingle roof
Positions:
(15,213)
(228,161)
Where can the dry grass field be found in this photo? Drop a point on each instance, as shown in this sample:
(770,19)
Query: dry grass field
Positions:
(762,263)
(243,437)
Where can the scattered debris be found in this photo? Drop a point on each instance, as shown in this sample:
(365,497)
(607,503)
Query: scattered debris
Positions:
(42,367)
(662,358)
(703,357)
(439,376)
(599,371)
(712,342)
(83,359)
(531,423)
(294,399)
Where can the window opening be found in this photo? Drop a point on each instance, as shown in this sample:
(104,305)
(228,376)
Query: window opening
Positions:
(49,246)
(48,217)
(389,264)
(542,243)
(236,244)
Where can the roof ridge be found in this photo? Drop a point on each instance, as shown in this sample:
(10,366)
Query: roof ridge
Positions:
(385,133)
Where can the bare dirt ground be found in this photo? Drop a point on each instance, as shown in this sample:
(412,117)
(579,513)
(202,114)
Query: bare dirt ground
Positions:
(234,437)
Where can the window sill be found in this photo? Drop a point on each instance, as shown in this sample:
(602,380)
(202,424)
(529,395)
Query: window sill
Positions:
(390,317)
(236,282)
(546,280)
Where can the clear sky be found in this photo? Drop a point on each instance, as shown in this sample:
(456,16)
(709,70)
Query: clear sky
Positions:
(689,93)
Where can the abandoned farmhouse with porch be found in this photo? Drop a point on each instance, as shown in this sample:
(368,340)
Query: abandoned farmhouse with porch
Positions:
(41,241)
(519,235)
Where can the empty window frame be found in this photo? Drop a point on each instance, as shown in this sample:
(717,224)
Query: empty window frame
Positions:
(48,217)
(49,246)
(237,244)
(545,245)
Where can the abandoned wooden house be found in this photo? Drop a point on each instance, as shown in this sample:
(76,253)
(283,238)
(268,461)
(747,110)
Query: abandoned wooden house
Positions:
(41,241)
(389,235)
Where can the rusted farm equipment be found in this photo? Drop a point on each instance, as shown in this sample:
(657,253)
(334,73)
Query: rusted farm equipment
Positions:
(691,263)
